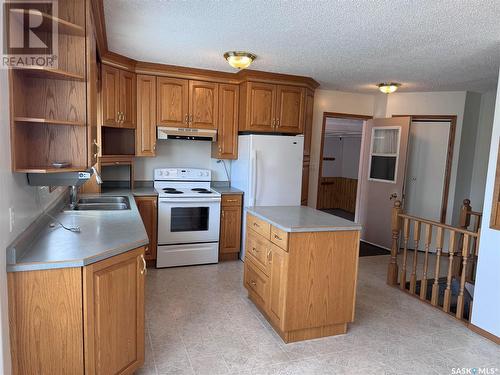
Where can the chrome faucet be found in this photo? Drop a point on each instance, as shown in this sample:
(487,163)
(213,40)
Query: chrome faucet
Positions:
(73,189)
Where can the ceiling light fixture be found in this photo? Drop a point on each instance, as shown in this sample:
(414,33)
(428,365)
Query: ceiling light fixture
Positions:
(388,88)
(239,59)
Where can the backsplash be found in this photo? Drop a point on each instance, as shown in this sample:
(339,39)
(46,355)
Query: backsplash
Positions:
(183,154)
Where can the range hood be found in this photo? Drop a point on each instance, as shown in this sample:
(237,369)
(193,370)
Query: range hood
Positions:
(187,133)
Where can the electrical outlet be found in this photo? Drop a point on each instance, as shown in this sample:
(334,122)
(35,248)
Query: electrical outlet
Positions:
(12,219)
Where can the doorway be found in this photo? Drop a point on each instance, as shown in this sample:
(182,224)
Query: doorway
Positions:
(339,164)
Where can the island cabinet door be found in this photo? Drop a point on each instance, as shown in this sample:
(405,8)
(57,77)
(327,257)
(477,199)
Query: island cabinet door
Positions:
(113,291)
(278,272)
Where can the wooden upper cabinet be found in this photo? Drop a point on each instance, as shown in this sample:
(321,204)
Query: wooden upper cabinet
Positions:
(290,109)
(226,146)
(110,95)
(118,97)
(145,137)
(113,293)
(127,99)
(309,109)
(203,104)
(172,102)
(260,107)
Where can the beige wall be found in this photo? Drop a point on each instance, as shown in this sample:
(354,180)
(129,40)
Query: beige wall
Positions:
(332,101)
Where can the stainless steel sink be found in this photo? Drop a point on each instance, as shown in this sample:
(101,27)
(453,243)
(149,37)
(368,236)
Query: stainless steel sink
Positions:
(102,204)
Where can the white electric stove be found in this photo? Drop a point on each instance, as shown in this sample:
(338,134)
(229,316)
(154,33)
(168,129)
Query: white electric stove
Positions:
(188,217)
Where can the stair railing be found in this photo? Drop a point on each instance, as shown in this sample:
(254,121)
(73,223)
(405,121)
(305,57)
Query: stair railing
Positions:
(460,253)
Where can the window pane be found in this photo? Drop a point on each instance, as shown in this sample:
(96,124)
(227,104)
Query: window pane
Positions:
(189,219)
(385,141)
(383,167)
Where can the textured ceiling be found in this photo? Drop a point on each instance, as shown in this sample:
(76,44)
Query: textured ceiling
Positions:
(346,45)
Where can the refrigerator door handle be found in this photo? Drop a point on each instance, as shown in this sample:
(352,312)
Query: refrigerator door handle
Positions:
(253,188)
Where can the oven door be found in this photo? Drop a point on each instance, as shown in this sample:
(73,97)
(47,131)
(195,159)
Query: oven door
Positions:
(188,220)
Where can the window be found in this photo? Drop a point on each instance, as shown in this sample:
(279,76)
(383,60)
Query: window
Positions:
(384,153)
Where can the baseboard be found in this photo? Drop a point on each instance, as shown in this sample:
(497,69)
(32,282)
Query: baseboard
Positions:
(486,334)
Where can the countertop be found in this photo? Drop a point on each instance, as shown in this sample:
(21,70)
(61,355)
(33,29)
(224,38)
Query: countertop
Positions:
(302,219)
(225,188)
(103,234)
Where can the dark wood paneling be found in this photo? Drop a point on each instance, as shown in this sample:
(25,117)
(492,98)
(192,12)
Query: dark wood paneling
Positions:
(337,192)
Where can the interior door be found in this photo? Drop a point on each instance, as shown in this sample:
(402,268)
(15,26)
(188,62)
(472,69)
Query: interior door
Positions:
(383,166)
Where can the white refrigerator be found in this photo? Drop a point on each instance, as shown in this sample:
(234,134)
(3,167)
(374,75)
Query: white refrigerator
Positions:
(269,171)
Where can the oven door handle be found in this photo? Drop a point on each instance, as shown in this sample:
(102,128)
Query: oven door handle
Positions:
(189,200)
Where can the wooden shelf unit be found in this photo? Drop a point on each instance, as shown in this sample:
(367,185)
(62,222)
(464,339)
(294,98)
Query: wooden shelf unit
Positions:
(48,106)
(63,26)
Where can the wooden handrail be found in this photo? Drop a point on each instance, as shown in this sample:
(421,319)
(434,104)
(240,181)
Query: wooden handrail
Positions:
(438,224)
(461,255)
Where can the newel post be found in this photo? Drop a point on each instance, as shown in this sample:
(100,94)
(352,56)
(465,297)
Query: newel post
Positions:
(465,211)
(392,271)
(463,223)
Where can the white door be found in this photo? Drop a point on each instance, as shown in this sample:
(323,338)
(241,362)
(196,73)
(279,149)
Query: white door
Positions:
(427,155)
(382,176)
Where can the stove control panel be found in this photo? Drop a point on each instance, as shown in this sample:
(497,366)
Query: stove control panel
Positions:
(182,174)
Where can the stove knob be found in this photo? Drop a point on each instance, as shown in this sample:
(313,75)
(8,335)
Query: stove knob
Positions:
(166,173)
(206,174)
(160,173)
(200,173)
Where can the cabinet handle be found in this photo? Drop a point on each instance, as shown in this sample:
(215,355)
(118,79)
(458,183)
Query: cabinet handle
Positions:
(278,123)
(220,150)
(154,147)
(278,237)
(269,257)
(255,250)
(256,225)
(186,118)
(274,123)
(155,204)
(230,200)
(222,213)
(253,283)
(144,270)
(190,119)
(97,148)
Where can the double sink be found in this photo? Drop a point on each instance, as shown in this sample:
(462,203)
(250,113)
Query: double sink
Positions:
(106,203)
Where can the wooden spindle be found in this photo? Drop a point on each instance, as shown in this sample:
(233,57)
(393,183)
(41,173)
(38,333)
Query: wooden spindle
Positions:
(460,300)
(428,240)
(406,239)
(435,286)
(447,292)
(392,271)
(416,240)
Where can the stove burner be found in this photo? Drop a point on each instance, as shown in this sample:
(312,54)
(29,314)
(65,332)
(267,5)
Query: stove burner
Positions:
(201,190)
(172,191)
(205,192)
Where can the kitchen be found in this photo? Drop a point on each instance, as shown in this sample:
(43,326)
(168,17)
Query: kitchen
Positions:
(158,215)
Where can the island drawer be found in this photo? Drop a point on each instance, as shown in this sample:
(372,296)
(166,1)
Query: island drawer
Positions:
(258,249)
(279,237)
(260,226)
(257,284)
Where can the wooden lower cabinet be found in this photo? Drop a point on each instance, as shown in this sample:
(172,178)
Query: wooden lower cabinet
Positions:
(230,227)
(83,320)
(148,209)
(303,282)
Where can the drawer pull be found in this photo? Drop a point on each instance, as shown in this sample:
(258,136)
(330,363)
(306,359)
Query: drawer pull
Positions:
(253,283)
(256,225)
(269,257)
(255,250)
(278,237)
(144,269)
(231,200)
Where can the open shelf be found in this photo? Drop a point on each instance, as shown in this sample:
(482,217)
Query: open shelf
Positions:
(49,169)
(44,72)
(38,120)
(63,26)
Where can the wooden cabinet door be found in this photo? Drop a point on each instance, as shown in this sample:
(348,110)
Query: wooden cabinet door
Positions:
(127,99)
(230,229)
(113,292)
(308,122)
(203,104)
(110,96)
(305,184)
(261,107)
(173,102)
(290,109)
(277,278)
(148,208)
(227,133)
(145,135)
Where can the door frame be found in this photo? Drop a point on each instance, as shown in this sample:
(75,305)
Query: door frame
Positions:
(327,115)
(449,154)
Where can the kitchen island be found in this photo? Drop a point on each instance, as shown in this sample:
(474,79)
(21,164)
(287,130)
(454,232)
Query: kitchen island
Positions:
(301,269)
